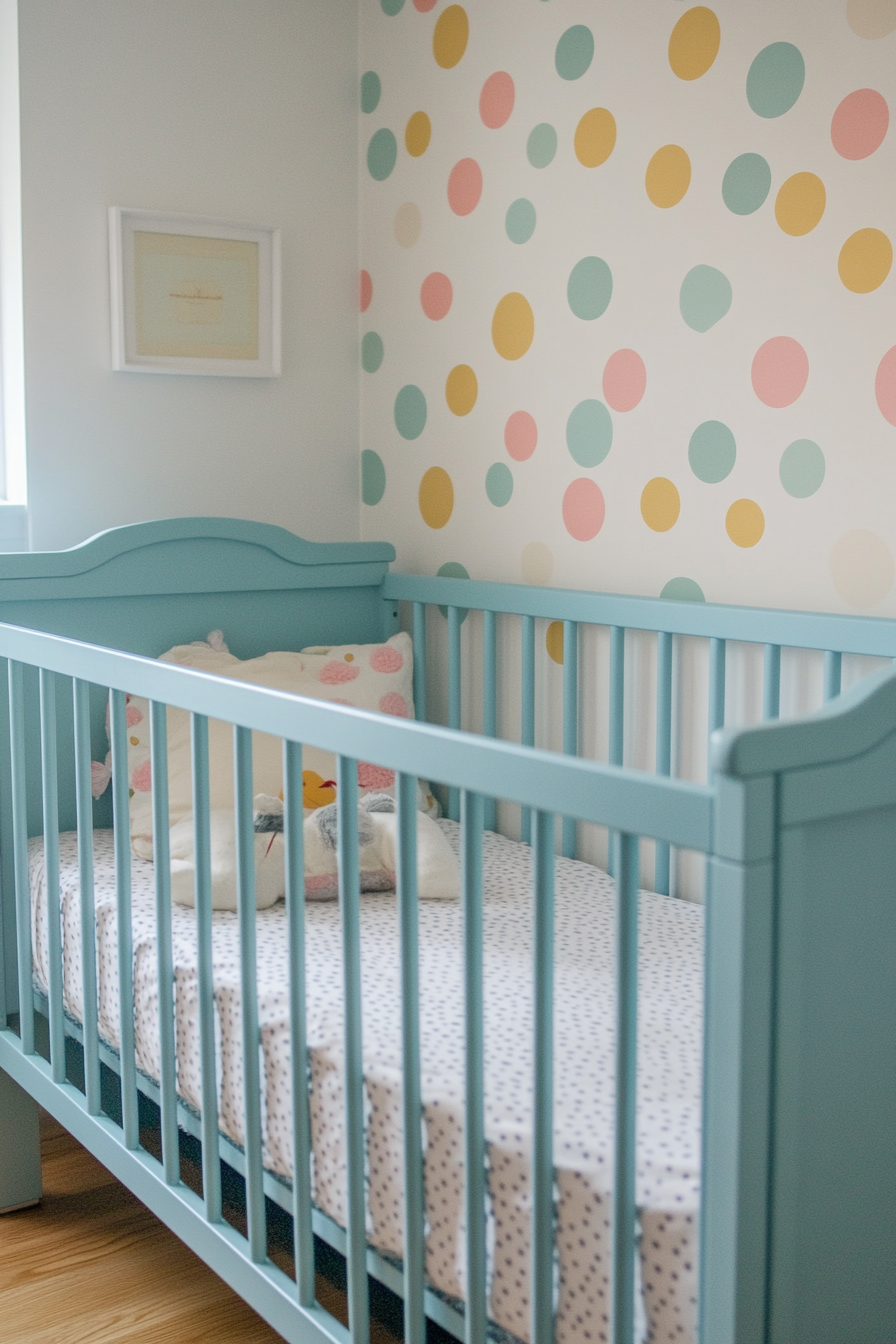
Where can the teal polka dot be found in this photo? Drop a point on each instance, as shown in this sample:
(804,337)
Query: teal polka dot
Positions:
(712,452)
(775,79)
(575,52)
(705,297)
(392,7)
(381,154)
(802,468)
(371,351)
(453,569)
(541,145)
(589,288)
(746,183)
(683,590)
(373,477)
(520,221)
(499,484)
(371,90)
(410,412)
(589,433)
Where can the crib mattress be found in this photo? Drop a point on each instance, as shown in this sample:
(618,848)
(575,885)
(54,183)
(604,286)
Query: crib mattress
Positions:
(669,1039)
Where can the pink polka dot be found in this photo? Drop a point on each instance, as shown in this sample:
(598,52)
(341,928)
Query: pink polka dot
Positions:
(885,386)
(141,779)
(335,673)
(625,379)
(464,186)
(780,371)
(860,124)
(583,509)
(133,716)
(374,776)
(436,295)
(396,705)
(496,100)
(386,658)
(424,6)
(520,435)
(365,288)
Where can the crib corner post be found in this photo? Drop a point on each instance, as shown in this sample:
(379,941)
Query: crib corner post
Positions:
(20,1184)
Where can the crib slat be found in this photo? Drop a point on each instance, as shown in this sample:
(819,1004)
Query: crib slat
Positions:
(771,682)
(211,1161)
(350,910)
(51,870)
(294,842)
(164,958)
(490,697)
(542,1328)
(717,650)
(20,854)
(122,840)
(419,638)
(414,1212)
(474,1138)
(454,695)
(84,805)
(663,743)
(246,914)
(832,670)
(570,719)
(527,706)
(617,694)
(626,1084)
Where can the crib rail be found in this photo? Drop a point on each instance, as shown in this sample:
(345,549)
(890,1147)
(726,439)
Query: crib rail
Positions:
(547,785)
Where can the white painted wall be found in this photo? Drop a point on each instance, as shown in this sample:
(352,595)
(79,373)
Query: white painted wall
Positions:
(244,110)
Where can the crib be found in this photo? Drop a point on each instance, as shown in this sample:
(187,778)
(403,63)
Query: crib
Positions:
(794,829)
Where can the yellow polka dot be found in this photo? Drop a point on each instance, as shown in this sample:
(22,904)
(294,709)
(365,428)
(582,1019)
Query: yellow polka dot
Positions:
(349,657)
(513,326)
(745,522)
(417,134)
(135,741)
(865,260)
(553,641)
(461,389)
(660,504)
(436,497)
(595,137)
(800,204)
(449,39)
(668,176)
(694,43)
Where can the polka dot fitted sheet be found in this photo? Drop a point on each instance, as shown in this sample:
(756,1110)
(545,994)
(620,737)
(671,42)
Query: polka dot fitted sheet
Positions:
(669,1034)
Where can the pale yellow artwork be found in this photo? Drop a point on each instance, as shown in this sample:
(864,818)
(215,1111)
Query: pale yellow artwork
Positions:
(195,297)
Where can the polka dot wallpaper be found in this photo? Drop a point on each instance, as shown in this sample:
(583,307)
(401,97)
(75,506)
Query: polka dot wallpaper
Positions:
(627,299)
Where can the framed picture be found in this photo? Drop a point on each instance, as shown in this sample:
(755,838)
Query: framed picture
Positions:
(193,295)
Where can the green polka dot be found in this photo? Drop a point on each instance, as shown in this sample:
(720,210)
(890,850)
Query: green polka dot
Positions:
(410,412)
(373,477)
(705,297)
(712,452)
(575,52)
(499,484)
(589,433)
(453,569)
(381,154)
(371,89)
(392,7)
(520,221)
(775,79)
(590,288)
(746,184)
(541,145)
(802,468)
(371,351)
(683,590)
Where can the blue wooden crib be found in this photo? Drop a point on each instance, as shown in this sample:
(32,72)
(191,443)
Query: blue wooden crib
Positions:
(798,823)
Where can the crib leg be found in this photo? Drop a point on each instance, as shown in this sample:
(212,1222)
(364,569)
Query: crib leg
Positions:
(19,1147)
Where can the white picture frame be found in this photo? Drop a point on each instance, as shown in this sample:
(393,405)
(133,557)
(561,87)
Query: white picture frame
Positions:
(192,295)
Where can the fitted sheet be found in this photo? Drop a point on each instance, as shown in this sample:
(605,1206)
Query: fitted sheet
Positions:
(669,1041)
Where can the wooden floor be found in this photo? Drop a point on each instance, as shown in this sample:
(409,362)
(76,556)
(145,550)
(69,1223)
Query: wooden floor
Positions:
(92,1265)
